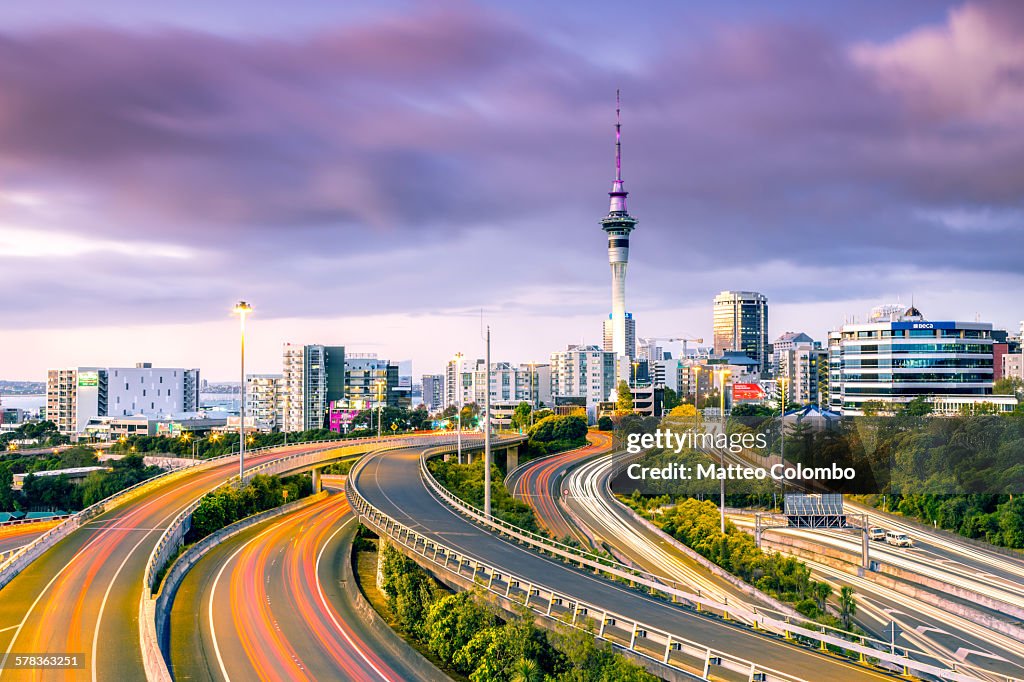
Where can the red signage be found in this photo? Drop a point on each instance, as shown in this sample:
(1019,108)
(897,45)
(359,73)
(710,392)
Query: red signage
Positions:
(747,392)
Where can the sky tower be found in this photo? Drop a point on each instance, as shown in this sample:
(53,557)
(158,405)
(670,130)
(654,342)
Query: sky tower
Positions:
(618,224)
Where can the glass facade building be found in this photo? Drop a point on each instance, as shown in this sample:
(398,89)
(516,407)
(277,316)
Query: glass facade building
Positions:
(893,362)
(741,324)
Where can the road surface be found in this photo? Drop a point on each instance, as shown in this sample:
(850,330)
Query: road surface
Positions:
(266,605)
(391,482)
(82,596)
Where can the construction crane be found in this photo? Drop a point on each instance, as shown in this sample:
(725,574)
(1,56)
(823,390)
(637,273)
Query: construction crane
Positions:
(683,339)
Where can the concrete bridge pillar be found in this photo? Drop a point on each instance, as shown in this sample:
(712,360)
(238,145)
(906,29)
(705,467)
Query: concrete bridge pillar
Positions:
(317,484)
(511,457)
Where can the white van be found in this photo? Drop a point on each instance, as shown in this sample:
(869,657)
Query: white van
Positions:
(876,533)
(898,539)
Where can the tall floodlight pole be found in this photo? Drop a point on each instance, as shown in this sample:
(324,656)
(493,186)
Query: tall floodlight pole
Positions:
(487,429)
(243,309)
(457,382)
(721,475)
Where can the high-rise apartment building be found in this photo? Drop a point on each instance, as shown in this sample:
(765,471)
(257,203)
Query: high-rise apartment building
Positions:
(585,373)
(802,368)
(786,342)
(264,401)
(433,392)
(741,324)
(529,382)
(313,376)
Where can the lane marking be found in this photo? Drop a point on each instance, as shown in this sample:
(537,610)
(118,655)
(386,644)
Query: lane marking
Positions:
(213,592)
(330,611)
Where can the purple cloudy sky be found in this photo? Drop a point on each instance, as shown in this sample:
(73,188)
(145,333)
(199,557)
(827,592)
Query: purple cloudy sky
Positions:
(373,174)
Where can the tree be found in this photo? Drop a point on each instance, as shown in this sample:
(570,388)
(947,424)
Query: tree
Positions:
(821,592)
(670,399)
(847,605)
(624,403)
(6,481)
(521,415)
(605,423)
(526,670)
(1008,386)
(452,621)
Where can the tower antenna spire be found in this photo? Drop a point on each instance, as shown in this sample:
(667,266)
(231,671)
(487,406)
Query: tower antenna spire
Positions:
(618,137)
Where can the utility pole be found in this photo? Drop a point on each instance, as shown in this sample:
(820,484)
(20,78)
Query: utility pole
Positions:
(487,429)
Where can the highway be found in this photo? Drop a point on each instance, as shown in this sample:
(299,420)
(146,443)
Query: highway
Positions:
(391,482)
(538,483)
(82,596)
(266,604)
(982,651)
(14,536)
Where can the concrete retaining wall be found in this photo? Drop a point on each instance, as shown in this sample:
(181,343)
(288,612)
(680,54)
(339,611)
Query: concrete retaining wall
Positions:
(833,559)
(399,648)
(155,614)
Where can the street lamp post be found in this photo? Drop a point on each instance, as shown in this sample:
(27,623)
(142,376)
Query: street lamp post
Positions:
(784,382)
(487,429)
(243,309)
(721,475)
(458,415)
(380,405)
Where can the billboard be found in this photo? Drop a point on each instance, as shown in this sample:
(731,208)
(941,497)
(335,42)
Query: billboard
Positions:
(747,392)
(91,379)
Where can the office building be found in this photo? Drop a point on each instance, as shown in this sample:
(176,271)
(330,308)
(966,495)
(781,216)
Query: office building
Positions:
(371,382)
(76,396)
(741,324)
(264,401)
(894,358)
(583,374)
(313,376)
(433,392)
(618,225)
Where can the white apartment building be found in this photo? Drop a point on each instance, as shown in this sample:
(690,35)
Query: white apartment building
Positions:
(76,396)
(152,391)
(312,376)
(802,368)
(583,372)
(264,401)
(508,383)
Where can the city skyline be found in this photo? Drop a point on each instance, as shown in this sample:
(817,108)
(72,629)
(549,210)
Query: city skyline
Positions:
(232,161)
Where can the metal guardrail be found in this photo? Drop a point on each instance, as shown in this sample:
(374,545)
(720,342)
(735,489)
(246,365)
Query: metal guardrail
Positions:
(679,653)
(820,635)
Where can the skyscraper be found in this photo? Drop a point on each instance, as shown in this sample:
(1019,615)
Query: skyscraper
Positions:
(609,337)
(741,324)
(618,224)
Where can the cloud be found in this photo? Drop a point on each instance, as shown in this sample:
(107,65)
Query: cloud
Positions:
(453,158)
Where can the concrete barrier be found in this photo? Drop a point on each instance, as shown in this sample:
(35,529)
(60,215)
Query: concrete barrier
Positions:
(834,559)
(398,647)
(155,614)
